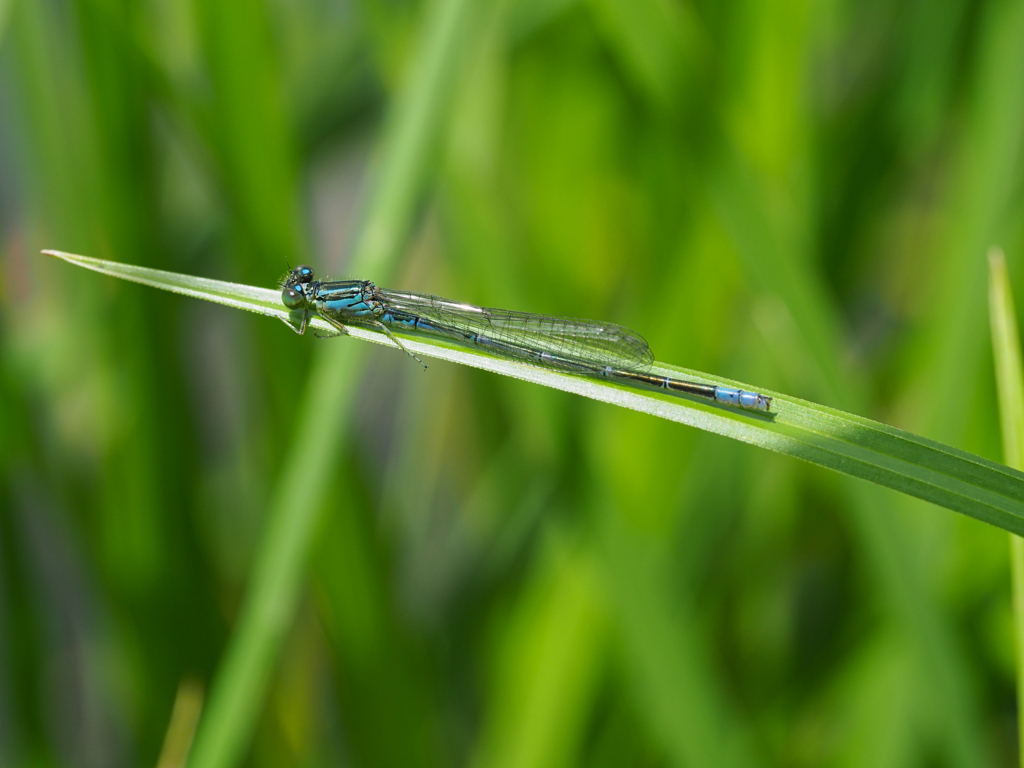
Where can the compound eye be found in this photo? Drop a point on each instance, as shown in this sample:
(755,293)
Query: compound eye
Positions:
(293,299)
(304,273)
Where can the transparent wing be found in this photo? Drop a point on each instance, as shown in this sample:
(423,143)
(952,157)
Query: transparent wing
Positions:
(584,341)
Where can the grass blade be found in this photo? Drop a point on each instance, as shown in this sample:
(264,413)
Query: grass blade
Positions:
(399,179)
(825,436)
(5,7)
(1010,388)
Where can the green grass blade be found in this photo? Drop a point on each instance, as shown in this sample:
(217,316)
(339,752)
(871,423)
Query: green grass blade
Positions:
(825,436)
(1009,370)
(275,585)
(1010,387)
(5,7)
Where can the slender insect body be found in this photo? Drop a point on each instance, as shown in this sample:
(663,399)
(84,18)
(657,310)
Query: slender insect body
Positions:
(582,347)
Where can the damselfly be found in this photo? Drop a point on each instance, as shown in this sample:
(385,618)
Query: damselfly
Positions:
(582,347)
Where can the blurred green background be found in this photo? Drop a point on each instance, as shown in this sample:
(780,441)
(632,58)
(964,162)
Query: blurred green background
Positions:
(798,195)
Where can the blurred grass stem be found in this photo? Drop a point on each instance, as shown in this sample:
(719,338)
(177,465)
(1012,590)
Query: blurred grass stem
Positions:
(239,687)
(1010,387)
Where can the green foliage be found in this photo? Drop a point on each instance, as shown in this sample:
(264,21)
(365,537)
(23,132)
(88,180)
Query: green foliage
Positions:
(364,563)
(1010,386)
(856,446)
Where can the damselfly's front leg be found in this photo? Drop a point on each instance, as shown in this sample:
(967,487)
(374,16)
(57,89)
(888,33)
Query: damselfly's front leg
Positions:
(341,330)
(298,327)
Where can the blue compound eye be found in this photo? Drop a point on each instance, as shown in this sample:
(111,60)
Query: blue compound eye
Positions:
(303,274)
(293,299)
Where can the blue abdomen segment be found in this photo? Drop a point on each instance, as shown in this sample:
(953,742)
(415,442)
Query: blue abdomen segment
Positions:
(407,322)
(742,399)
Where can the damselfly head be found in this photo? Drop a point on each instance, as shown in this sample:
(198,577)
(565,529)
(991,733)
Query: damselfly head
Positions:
(300,276)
